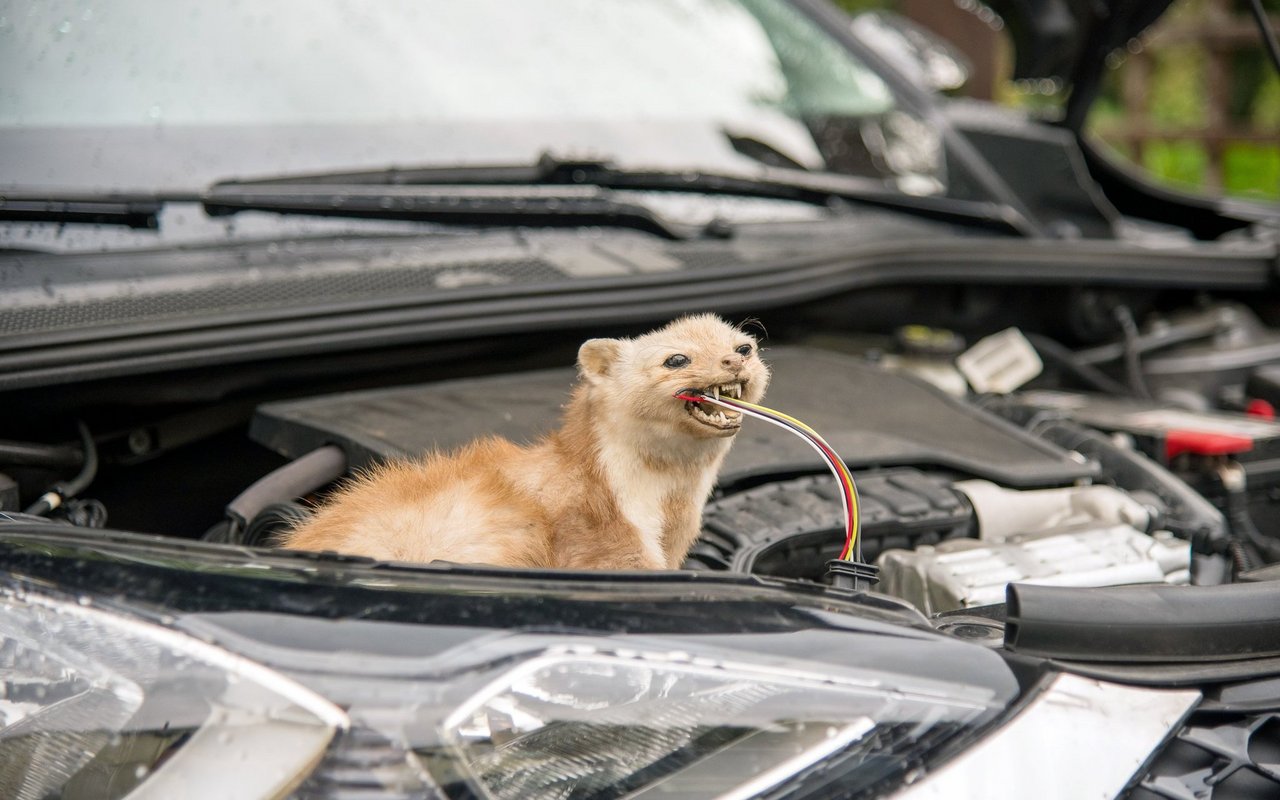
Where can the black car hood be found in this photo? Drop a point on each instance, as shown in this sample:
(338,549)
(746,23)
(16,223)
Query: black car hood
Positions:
(1069,41)
(1065,39)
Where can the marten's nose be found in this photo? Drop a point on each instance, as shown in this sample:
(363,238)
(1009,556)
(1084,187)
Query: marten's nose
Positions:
(733,362)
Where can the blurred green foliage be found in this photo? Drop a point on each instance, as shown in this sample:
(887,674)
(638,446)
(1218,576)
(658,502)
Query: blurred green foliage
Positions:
(1178,100)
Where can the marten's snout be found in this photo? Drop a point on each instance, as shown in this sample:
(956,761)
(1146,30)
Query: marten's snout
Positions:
(732,362)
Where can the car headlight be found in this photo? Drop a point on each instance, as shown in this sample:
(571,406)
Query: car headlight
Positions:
(599,724)
(95,704)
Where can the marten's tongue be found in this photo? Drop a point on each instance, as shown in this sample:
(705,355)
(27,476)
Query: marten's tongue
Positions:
(708,413)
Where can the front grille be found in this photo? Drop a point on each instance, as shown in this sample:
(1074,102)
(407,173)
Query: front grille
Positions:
(363,765)
(1217,757)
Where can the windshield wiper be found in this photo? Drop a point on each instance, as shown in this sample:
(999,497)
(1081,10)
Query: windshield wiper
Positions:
(819,188)
(549,193)
(112,208)
(567,206)
(459,204)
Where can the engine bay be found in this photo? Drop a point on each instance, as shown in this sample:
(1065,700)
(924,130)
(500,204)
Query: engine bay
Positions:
(1153,458)
(958,498)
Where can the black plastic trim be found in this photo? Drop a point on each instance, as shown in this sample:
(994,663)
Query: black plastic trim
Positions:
(133,211)
(1144,623)
(112,352)
(1174,674)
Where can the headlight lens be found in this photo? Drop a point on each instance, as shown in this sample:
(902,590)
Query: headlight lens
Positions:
(93,704)
(99,704)
(601,725)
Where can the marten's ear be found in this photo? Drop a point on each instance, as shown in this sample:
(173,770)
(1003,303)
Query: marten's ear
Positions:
(596,357)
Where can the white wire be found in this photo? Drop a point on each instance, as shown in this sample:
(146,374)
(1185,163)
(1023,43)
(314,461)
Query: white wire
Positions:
(835,472)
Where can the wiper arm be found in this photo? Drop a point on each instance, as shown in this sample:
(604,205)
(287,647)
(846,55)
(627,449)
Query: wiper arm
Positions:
(820,188)
(549,193)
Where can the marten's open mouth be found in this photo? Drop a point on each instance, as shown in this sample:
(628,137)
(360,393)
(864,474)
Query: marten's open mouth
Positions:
(715,416)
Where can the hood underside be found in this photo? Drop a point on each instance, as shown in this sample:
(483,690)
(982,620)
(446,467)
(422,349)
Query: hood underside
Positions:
(1062,38)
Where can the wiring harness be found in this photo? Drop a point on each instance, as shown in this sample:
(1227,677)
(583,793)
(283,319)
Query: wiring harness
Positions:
(851,554)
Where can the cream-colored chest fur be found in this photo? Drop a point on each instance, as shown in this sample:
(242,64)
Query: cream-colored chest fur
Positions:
(659,493)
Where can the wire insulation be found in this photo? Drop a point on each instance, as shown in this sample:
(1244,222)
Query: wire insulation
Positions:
(63,491)
(844,479)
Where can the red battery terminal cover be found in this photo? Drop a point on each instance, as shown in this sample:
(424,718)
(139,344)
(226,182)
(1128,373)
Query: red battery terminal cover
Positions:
(1204,443)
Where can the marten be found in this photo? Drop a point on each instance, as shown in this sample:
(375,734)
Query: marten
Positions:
(619,485)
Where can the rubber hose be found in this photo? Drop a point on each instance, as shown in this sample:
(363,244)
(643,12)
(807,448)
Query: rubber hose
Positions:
(1149,623)
(300,476)
(62,491)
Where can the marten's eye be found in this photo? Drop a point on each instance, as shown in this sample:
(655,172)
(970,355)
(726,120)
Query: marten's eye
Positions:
(676,362)
(745,350)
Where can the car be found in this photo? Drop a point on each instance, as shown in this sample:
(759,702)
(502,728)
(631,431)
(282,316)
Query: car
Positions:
(248,250)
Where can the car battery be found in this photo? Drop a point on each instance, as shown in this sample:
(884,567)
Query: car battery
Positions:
(1194,445)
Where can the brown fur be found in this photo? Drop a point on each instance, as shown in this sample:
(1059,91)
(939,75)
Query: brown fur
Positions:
(620,485)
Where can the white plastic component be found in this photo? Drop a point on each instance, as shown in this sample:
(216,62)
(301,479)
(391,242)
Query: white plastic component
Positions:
(941,374)
(1000,363)
(1078,738)
(963,573)
(1003,513)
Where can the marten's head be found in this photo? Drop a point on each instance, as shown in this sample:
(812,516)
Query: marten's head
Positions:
(641,376)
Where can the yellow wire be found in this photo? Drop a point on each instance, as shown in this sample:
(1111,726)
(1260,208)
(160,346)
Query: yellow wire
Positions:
(845,476)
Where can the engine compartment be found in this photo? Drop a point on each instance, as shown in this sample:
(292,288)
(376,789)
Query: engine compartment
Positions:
(1149,456)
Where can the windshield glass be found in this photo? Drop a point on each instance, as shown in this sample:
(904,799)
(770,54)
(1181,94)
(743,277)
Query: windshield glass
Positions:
(145,95)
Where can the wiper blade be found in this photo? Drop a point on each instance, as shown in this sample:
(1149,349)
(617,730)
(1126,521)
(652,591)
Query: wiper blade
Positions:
(497,204)
(550,193)
(132,210)
(820,188)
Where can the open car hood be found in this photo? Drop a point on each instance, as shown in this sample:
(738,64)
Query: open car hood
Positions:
(1069,40)
(1059,38)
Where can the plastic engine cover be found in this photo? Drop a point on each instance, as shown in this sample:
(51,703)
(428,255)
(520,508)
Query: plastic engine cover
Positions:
(963,573)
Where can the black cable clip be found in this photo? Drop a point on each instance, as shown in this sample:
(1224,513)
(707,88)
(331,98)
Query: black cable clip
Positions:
(855,575)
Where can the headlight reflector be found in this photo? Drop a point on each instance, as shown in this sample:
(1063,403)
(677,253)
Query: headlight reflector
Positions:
(95,704)
(611,724)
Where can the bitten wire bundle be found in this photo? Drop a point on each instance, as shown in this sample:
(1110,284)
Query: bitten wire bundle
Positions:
(848,492)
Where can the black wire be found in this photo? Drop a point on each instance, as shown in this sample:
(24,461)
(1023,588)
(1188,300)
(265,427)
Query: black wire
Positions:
(1241,560)
(29,454)
(1132,353)
(86,513)
(90,468)
(65,490)
(1063,356)
(1268,35)
(1178,333)
(1244,529)
(265,528)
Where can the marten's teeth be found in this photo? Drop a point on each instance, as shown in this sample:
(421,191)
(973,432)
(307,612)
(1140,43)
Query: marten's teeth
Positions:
(715,390)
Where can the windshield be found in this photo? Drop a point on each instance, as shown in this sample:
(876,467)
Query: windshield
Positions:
(145,95)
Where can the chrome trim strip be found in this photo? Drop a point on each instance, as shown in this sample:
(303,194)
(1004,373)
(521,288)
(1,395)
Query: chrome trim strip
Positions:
(1080,738)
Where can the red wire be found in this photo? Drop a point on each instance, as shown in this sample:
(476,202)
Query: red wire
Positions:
(831,455)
